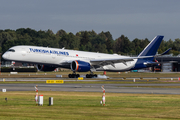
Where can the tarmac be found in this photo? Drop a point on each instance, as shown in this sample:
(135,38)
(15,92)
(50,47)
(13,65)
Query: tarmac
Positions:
(111,88)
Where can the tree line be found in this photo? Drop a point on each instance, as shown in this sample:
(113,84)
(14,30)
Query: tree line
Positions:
(84,40)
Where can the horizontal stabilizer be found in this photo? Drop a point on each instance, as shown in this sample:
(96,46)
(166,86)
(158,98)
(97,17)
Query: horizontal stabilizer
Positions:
(166,51)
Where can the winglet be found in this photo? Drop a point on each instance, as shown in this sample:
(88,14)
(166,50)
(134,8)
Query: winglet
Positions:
(152,47)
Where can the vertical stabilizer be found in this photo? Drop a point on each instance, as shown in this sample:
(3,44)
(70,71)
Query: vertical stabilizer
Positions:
(152,47)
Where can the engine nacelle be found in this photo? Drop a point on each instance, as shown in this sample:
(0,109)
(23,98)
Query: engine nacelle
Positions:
(80,66)
(45,68)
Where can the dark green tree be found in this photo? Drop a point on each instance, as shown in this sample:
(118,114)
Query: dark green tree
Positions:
(122,45)
(61,33)
(85,38)
(69,41)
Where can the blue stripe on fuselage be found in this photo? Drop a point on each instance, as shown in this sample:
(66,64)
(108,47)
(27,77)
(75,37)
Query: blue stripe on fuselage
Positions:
(140,64)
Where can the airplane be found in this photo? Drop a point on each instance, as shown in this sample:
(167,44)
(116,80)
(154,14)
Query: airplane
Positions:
(48,59)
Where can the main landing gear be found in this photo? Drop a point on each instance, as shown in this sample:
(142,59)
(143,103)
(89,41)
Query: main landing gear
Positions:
(91,75)
(74,75)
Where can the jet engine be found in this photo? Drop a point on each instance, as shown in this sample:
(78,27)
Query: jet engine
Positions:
(45,68)
(80,66)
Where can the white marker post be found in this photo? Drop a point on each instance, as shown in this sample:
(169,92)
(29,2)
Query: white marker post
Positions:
(103,97)
(36,96)
(41,100)
(3,90)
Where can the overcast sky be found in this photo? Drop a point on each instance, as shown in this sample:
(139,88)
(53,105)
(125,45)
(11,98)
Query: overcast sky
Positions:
(132,18)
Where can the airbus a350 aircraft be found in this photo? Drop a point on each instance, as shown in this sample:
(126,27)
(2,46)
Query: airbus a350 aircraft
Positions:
(47,59)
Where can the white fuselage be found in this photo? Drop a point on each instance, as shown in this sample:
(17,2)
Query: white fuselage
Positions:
(54,56)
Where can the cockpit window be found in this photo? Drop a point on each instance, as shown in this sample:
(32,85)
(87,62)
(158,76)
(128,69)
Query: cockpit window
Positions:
(11,50)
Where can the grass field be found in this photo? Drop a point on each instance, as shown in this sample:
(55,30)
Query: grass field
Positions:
(86,105)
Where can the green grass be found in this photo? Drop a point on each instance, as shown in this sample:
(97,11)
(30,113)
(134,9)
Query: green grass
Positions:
(86,105)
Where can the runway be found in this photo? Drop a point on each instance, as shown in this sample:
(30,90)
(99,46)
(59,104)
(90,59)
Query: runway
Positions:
(111,88)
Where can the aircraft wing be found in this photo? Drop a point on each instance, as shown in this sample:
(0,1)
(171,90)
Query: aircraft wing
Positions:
(108,61)
(112,61)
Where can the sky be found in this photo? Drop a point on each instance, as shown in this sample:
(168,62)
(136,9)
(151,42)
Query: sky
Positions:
(133,18)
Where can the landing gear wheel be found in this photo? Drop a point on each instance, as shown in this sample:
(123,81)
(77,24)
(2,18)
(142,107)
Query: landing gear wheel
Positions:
(70,75)
(87,75)
(73,75)
(77,75)
(91,75)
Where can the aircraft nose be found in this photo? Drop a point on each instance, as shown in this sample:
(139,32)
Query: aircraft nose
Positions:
(4,56)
